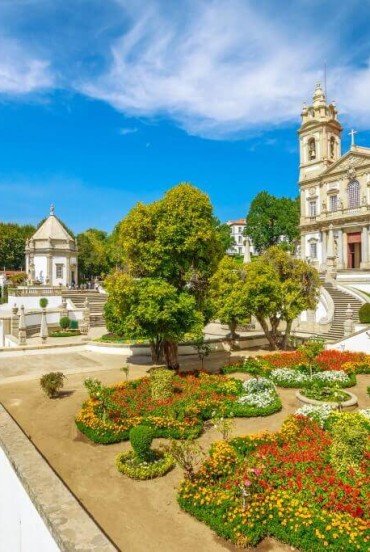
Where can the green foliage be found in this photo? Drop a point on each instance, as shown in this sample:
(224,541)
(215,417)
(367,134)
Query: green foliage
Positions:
(141,438)
(350,437)
(311,350)
(364,313)
(271,219)
(52,383)
(94,387)
(202,347)
(152,309)
(17,279)
(187,454)
(64,322)
(43,302)
(69,333)
(73,325)
(278,288)
(160,464)
(93,258)
(12,243)
(228,293)
(161,384)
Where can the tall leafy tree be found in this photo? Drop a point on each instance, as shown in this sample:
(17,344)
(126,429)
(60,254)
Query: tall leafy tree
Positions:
(271,220)
(93,256)
(12,244)
(278,288)
(176,239)
(228,294)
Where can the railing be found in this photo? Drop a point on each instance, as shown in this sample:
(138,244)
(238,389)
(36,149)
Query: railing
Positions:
(35,291)
(338,214)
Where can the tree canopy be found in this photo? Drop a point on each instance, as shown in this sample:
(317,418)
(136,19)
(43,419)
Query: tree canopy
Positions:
(228,294)
(176,239)
(278,288)
(12,244)
(272,220)
(93,253)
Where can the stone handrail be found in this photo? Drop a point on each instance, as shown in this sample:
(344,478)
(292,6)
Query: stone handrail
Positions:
(339,213)
(35,291)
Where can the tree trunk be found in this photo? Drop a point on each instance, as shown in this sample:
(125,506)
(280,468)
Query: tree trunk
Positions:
(268,334)
(170,352)
(287,334)
(156,348)
(232,326)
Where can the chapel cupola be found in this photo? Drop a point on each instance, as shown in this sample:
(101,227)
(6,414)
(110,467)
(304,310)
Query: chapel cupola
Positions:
(319,136)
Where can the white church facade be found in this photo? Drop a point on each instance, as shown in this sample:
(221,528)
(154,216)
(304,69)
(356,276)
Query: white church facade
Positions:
(334,192)
(52,254)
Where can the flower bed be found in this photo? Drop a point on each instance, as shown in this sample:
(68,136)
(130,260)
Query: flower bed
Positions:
(331,360)
(109,416)
(288,377)
(282,484)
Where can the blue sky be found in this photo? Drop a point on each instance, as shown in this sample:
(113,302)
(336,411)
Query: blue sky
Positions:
(104,103)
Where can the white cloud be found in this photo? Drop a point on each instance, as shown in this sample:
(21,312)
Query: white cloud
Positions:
(20,72)
(127,130)
(226,67)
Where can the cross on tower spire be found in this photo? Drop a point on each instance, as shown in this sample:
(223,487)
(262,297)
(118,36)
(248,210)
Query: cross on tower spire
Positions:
(352,135)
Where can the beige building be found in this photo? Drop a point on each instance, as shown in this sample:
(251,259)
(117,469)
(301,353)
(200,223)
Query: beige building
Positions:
(51,254)
(334,191)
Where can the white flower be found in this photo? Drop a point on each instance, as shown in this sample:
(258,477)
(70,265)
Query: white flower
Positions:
(288,376)
(365,412)
(332,376)
(319,413)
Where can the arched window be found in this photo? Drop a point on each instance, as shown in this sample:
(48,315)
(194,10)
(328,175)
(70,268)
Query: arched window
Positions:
(353,194)
(311,149)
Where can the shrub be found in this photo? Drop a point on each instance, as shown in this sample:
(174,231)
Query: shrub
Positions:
(141,438)
(161,384)
(52,383)
(64,322)
(364,313)
(349,441)
(161,463)
(73,325)
(94,387)
(43,302)
(187,454)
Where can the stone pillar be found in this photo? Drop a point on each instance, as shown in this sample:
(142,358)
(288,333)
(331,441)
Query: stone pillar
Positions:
(68,271)
(364,248)
(324,252)
(63,308)
(311,319)
(85,324)
(247,251)
(44,334)
(22,332)
(340,263)
(49,270)
(303,247)
(345,250)
(14,322)
(331,259)
(348,322)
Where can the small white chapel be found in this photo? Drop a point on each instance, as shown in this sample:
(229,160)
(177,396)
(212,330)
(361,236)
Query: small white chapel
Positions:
(52,254)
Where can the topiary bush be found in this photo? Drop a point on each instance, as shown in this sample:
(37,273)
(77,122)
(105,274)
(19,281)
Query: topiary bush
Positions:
(142,462)
(73,324)
(52,383)
(43,302)
(161,384)
(364,313)
(64,323)
(141,438)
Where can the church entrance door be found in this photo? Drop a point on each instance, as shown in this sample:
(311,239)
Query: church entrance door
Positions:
(354,250)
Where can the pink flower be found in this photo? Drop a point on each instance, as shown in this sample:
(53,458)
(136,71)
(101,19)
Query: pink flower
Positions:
(247,483)
(256,471)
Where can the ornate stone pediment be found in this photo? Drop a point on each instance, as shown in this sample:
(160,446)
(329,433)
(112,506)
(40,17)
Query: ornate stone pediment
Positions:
(350,163)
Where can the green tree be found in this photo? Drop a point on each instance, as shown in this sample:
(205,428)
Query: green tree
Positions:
(278,288)
(93,257)
(176,239)
(153,309)
(228,294)
(272,219)
(12,244)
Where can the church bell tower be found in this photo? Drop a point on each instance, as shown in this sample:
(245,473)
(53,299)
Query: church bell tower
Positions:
(319,136)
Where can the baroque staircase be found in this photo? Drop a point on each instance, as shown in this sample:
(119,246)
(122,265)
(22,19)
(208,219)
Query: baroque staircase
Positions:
(341,300)
(96,303)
